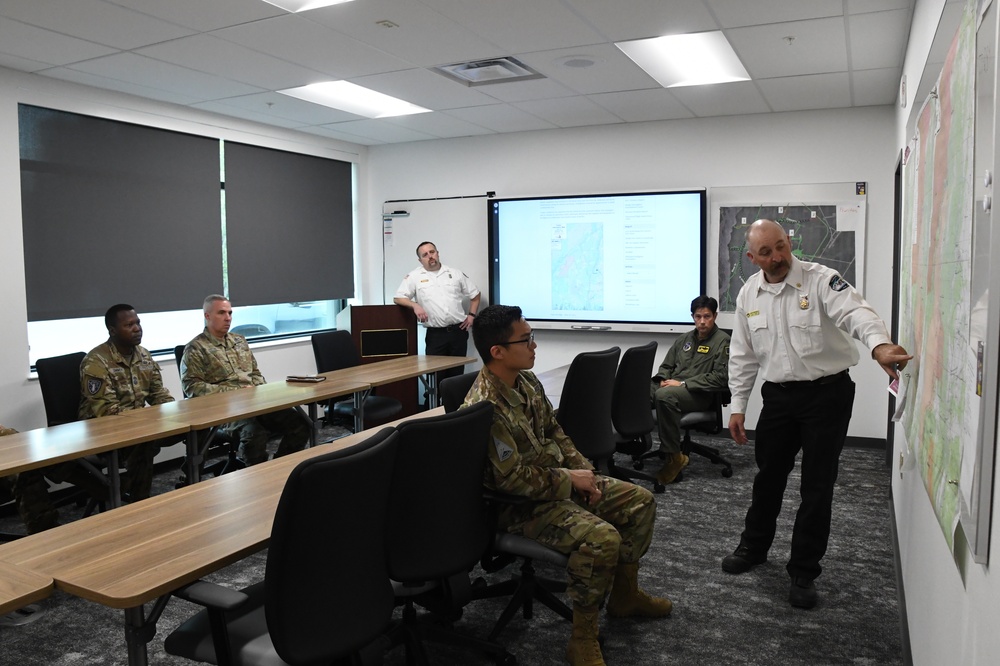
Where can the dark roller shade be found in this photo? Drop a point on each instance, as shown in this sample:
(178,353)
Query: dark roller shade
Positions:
(115,212)
(289,226)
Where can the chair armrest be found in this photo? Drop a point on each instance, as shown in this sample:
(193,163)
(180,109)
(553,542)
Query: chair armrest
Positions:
(211,595)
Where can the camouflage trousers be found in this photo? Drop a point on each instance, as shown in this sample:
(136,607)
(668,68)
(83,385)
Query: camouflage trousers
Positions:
(254,433)
(596,538)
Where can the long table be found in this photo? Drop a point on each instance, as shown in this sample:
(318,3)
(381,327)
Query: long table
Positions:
(20,587)
(42,447)
(141,552)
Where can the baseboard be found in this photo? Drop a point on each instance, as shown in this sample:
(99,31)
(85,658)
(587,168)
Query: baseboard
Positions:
(904,626)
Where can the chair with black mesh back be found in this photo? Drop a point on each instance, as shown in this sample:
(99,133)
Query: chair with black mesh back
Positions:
(334,350)
(438,526)
(326,597)
(585,408)
(59,382)
(633,421)
(229,444)
(710,423)
(506,549)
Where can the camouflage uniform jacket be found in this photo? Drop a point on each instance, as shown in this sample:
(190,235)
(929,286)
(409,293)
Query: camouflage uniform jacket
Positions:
(531,455)
(211,365)
(4,431)
(111,383)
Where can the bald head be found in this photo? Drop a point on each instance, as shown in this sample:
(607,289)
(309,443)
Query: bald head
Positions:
(769,247)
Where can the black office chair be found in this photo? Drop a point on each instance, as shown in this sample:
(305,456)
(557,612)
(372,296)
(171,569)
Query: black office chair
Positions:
(526,588)
(229,444)
(710,423)
(630,414)
(335,350)
(326,593)
(438,526)
(585,408)
(59,382)
(454,389)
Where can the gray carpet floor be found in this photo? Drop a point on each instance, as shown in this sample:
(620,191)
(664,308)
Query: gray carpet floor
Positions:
(717,618)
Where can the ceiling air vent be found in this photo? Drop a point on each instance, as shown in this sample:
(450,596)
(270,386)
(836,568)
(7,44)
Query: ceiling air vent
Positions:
(486,72)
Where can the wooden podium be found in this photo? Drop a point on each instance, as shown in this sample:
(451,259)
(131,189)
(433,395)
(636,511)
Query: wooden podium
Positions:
(381,332)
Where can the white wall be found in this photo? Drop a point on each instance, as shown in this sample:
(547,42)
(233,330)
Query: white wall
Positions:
(20,399)
(770,149)
(952,603)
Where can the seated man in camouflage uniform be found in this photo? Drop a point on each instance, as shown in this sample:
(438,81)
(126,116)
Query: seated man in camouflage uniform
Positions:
(118,376)
(217,361)
(604,525)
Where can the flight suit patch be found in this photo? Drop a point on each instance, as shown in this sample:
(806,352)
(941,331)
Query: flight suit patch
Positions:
(704,349)
(687,346)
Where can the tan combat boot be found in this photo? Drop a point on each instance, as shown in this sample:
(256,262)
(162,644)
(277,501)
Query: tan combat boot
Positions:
(627,600)
(673,465)
(583,648)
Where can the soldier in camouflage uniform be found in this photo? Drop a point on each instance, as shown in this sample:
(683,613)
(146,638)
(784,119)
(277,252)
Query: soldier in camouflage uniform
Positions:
(603,524)
(696,365)
(218,361)
(119,376)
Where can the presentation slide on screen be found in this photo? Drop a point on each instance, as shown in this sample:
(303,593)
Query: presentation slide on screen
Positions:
(621,258)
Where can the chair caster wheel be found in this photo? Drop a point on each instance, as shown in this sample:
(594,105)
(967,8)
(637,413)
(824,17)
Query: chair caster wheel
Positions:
(658,488)
(638,464)
(727,472)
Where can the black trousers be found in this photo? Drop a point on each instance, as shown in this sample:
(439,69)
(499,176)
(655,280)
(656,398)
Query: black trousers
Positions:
(447,341)
(811,417)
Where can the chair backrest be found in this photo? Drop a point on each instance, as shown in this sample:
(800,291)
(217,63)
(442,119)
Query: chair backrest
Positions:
(334,350)
(59,380)
(585,403)
(178,355)
(454,389)
(630,411)
(438,522)
(327,590)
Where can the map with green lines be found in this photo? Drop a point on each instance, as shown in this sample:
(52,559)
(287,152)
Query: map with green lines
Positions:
(812,230)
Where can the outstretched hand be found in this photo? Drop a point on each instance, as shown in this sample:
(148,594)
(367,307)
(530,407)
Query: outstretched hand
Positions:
(891,357)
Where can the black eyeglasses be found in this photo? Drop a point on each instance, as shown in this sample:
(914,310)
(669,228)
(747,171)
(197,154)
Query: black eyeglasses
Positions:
(527,341)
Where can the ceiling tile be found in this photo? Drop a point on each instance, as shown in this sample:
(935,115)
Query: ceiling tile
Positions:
(865,6)
(94,20)
(874,87)
(878,40)
(520,26)
(311,45)
(439,124)
(248,114)
(107,83)
(143,71)
(814,91)
(521,91)
(735,13)
(612,70)
(819,46)
(642,105)
(328,131)
(571,112)
(722,99)
(385,132)
(209,54)
(289,109)
(202,15)
(645,18)
(500,118)
(40,45)
(451,43)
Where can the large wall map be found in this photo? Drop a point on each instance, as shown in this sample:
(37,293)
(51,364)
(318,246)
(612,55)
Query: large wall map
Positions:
(812,229)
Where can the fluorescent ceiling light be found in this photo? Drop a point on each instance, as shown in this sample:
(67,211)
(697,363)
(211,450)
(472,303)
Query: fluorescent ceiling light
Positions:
(354,99)
(687,60)
(303,5)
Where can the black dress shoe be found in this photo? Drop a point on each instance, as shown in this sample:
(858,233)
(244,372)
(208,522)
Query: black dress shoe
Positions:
(802,593)
(742,560)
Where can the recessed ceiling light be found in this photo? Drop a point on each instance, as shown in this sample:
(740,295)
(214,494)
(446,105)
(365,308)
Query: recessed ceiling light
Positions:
(687,60)
(354,99)
(304,5)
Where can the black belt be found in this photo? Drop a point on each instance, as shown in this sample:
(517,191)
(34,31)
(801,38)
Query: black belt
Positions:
(451,327)
(829,379)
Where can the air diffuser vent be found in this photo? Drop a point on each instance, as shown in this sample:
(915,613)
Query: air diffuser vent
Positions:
(486,72)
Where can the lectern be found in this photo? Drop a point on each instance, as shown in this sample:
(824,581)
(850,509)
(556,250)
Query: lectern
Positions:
(386,331)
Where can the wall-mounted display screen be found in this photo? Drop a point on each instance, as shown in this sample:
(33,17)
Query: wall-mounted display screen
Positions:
(600,262)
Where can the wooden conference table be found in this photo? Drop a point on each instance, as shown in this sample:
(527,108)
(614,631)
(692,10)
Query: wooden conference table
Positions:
(20,587)
(210,411)
(141,552)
